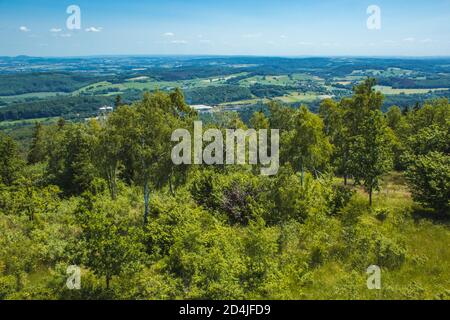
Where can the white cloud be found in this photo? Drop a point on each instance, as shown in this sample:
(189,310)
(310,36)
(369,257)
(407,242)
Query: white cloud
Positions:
(283,36)
(304,43)
(55,30)
(66,35)
(426,41)
(410,39)
(24,29)
(94,29)
(179,42)
(205,41)
(169,34)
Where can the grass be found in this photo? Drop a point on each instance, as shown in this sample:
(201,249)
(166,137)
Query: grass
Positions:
(425,274)
(391,91)
(34,95)
(301,97)
(25,122)
(280,80)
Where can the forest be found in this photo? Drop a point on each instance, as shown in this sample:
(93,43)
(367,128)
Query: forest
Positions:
(356,187)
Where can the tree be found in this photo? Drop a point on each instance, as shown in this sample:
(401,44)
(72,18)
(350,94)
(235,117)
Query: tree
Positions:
(305,146)
(428,139)
(259,121)
(38,147)
(156,117)
(371,152)
(429,179)
(435,112)
(394,117)
(368,137)
(280,116)
(118,101)
(113,146)
(333,114)
(71,165)
(108,245)
(11,163)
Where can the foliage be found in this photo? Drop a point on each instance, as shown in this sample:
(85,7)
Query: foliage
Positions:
(225,232)
(429,179)
(10,160)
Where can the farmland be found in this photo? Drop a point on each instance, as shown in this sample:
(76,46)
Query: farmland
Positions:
(231,83)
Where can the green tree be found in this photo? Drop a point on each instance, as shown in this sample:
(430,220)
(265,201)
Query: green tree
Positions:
(369,140)
(394,117)
(306,146)
(259,121)
(71,165)
(38,147)
(280,116)
(156,117)
(371,152)
(118,102)
(429,179)
(113,146)
(108,245)
(335,128)
(11,163)
(428,139)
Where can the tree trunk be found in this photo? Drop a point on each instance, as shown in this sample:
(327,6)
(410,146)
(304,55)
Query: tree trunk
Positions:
(172,191)
(370,196)
(345,179)
(146,202)
(108,279)
(302,177)
(112,184)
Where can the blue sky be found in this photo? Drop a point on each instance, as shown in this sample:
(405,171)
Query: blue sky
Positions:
(226,27)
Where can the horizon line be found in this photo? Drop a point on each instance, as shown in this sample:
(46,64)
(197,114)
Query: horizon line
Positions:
(230,55)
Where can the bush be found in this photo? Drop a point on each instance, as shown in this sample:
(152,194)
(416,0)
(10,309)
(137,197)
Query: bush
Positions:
(389,254)
(429,179)
(340,197)
(381,214)
(235,195)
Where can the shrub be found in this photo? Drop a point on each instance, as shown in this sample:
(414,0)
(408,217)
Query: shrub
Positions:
(429,179)
(340,197)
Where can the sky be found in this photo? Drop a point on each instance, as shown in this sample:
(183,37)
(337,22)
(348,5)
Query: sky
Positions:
(226,27)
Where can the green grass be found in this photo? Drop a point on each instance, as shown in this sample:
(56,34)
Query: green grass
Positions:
(295,97)
(281,80)
(425,273)
(391,91)
(25,96)
(25,122)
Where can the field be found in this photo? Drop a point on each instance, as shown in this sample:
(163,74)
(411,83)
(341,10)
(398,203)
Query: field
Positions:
(391,91)
(232,83)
